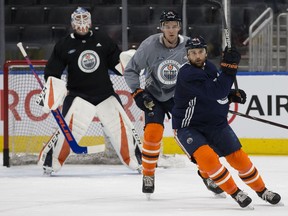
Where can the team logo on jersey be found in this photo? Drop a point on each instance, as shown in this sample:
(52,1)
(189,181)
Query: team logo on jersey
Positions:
(167,72)
(189,140)
(88,61)
(223,101)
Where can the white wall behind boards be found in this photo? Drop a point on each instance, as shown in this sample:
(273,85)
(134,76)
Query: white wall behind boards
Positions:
(267,98)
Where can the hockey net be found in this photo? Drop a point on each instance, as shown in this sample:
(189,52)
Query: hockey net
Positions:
(27,127)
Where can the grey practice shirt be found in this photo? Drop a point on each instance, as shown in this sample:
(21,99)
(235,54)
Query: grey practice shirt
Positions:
(161,66)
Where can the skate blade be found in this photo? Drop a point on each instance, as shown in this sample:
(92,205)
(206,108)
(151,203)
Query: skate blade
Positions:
(249,207)
(139,170)
(220,196)
(279,204)
(47,171)
(148,196)
(47,174)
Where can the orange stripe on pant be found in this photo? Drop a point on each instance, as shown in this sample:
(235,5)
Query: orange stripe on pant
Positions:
(151,147)
(208,161)
(240,161)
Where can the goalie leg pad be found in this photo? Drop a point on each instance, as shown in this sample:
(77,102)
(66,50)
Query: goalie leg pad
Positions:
(120,130)
(79,117)
(47,157)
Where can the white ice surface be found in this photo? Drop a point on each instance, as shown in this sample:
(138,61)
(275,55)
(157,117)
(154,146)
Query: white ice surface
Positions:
(101,190)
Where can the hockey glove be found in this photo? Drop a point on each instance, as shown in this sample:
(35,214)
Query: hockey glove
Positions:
(237,96)
(230,60)
(143,100)
(52,94)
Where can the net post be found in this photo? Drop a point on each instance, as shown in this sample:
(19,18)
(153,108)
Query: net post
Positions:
(6,157)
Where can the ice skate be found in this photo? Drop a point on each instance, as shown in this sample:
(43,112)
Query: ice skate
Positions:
(139,169)
(47,166)
(211,186)
(47,171)
(242,199)
(148,186)
(270,197)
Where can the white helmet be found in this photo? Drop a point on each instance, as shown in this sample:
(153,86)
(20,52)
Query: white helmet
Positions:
(81,20)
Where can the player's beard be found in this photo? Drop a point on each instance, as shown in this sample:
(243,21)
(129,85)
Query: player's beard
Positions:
(198,62)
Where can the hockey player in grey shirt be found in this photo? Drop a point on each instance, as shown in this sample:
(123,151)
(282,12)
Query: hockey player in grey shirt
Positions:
(160,55)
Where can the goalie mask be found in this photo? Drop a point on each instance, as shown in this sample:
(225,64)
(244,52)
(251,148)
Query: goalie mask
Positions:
(81,20)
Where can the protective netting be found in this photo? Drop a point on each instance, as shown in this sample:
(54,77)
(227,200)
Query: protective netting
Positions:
(29,127)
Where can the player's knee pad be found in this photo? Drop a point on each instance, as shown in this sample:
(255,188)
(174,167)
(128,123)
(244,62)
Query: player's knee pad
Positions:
(207,159)
(78,118)
(152,140)
(153,132)
(239,160)
(120,131)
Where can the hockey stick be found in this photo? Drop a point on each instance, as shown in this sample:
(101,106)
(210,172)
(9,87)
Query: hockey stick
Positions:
(59,118)
(226,31)
(258,119)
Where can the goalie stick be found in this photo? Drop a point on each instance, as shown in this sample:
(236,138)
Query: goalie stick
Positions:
(59,117)
(226,31)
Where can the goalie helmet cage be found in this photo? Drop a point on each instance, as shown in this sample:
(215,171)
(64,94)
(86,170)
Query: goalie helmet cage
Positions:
(27,127)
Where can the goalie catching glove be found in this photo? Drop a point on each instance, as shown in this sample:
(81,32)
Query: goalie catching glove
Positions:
(143,99)
(52,94)
(237,96)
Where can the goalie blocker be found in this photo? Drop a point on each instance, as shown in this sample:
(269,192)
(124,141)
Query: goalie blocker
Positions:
(124,57)
(116,125)
(52,94)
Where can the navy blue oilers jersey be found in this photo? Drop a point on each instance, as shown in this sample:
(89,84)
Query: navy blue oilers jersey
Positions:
(87,59)
(201,97)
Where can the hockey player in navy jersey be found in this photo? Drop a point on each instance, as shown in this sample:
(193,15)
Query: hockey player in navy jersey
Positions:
(161,56)
(87,55)
(199,118)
